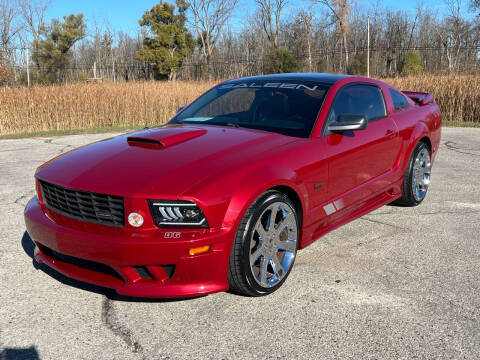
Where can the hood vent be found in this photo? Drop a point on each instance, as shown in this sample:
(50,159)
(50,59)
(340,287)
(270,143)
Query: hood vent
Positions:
(163,138)
(140,141)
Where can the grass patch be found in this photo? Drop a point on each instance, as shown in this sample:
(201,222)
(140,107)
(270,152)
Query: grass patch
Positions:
(474,124)
(96,130)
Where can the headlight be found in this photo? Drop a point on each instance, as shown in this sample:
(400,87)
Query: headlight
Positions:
(172,213)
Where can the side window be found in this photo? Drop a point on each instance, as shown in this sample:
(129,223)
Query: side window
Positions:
(359,99)
(399,101)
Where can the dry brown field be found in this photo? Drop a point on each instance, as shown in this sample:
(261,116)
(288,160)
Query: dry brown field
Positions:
(134,104)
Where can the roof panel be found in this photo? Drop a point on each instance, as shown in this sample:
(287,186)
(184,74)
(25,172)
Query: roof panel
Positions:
(317,77)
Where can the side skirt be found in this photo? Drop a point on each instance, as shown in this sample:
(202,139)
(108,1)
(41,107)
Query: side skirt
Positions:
(367,207)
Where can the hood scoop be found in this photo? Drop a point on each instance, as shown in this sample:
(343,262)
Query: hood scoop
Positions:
(160,138)
(139,141)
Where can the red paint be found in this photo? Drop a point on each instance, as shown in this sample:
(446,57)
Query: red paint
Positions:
(223,170)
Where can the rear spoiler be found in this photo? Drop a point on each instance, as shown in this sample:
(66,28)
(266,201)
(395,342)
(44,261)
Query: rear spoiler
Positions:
(420,98)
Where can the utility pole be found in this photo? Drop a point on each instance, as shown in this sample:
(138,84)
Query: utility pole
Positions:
(95,70)
(368,45)
(28,66)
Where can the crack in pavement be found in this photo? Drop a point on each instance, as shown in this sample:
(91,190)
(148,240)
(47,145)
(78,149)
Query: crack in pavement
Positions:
(451,146)
(383,223)
(383,236)
(23,197)
(110,320)
(446,212)
(62,150)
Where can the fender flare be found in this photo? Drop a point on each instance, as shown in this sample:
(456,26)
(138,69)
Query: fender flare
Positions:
(264,179)
(419,132)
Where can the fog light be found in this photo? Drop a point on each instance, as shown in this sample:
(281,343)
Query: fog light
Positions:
(135,219)
(199,250)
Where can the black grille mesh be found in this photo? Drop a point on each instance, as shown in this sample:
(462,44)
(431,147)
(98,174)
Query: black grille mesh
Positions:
(82,205)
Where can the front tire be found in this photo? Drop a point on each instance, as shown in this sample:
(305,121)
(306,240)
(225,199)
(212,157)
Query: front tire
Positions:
(416,179)
(265,246)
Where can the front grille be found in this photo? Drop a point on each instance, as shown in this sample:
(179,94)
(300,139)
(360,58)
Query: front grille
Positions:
(82,205)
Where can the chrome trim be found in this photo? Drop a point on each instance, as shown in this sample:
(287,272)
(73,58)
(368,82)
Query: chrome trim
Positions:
(182,223)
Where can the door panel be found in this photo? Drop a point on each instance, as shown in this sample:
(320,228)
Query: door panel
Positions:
(360,162)
(362,158)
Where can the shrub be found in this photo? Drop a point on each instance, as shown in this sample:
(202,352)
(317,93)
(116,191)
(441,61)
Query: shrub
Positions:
(412,64)
(358,65)
(279,60)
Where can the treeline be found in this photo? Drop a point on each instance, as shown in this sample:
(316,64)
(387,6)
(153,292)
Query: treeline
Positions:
(194,40)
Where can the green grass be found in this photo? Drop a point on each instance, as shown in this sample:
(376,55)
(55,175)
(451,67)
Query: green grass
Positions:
(475,124)
(110,129)
(96,130)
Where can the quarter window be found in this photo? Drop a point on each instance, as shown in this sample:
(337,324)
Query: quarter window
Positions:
(366,100)
(399,101)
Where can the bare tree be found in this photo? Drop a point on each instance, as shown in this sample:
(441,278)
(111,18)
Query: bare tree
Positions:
(306,19)
(475,5)
(340,10)
(10,27)
(454,32)
(270,12)
(33,13)
(209,17)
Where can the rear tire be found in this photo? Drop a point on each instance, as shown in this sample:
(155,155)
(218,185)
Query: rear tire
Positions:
(265,246)
(416,179)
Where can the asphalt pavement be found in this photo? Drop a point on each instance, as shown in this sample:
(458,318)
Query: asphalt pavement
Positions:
(399,283)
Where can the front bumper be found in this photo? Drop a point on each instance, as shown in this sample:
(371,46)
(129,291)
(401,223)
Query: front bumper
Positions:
(98,248)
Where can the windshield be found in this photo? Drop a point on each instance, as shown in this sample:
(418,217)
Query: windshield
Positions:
(287,108)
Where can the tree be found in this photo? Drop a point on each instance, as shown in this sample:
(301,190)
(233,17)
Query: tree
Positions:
(10,26)
(475,5)
(33,13)
(358,66)
(168,41)
(279,60)
(51,51)
(454,32)
(270,12)
(209,18)
(340,10)
(412,64)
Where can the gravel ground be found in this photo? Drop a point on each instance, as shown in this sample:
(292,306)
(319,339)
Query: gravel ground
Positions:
(399,283)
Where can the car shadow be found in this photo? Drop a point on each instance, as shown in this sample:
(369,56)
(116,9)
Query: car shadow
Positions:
(29,247)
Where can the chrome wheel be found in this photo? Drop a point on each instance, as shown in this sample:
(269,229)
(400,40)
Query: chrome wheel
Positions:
(273,244)
(421,174)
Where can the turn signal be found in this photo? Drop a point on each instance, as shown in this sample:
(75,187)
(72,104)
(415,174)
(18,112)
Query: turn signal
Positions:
(199,250)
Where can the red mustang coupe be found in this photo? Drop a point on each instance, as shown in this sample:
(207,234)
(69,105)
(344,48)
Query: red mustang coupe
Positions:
(224,195)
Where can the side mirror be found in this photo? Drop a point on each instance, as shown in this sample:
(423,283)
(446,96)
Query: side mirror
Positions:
(180,109)
(348,122)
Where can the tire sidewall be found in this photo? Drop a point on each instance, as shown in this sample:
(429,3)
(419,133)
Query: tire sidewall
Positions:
(259,207)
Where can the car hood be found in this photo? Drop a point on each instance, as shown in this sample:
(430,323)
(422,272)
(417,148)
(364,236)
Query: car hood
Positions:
(159,161)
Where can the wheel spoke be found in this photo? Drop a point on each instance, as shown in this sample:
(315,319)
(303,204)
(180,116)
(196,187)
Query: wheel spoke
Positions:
(277,266)
(285,222)
(262,233)
(256,254)
(289,245)
(263,271)
(272,217)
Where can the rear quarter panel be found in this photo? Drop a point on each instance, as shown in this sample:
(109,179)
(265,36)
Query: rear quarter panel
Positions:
(414,123)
